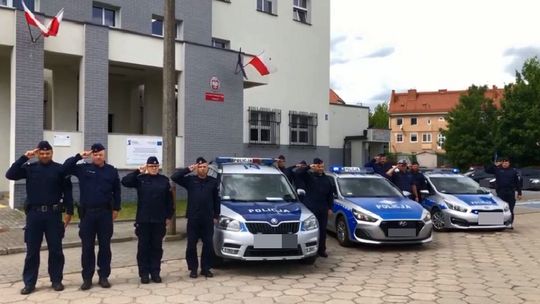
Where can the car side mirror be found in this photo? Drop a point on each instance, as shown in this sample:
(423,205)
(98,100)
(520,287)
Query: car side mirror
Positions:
(301,192)
(426,192)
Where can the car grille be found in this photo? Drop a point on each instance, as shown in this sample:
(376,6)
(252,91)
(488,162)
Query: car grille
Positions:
(252,252)
(385,225)
(265,228)
(481,210)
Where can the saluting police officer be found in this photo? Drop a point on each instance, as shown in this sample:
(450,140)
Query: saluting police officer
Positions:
(99,186)
(48,192)
(203,209)
(508,182)
(403,179)
(319,196)
(154,211)
(288,171)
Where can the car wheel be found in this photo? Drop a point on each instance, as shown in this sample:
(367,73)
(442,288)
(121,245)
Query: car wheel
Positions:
(309,261)
(342,232)
(437,217)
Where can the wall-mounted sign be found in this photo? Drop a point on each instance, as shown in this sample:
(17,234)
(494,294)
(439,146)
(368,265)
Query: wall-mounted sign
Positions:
(214,97)
(138,149)
(61,140)
(215,83)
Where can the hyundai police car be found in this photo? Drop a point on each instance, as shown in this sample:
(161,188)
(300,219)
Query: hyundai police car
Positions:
(370,209)
(457,201)
(262,217)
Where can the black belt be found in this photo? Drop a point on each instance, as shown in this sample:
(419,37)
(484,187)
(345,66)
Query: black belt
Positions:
(46,208)
(100,208)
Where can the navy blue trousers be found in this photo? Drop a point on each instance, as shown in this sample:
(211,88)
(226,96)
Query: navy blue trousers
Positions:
(149,247)
(96,223)
(200,229)
(37,224)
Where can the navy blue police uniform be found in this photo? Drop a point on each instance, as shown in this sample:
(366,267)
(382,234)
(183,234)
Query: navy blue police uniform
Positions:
(419,180)
(203,207)
(154,207)
(403,180)
(319,198)
(508,183)
(99,196)
(48,194)
(381,168)
(288,171)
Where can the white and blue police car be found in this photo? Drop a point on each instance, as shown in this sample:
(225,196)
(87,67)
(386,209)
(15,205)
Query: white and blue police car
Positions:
(370,209)
(262,217)
(456,201)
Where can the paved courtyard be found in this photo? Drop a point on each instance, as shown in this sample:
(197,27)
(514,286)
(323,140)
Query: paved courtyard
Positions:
(477,267)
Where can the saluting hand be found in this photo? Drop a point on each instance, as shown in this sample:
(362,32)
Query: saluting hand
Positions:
(192,167)
(85,153)
(31,153)
(142,169)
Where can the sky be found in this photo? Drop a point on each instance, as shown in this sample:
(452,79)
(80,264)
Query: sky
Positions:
(384,45)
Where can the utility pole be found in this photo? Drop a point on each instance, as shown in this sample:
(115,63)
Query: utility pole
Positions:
(169,101)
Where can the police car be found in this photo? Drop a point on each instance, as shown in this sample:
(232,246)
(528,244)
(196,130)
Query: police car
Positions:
(262,217)
(370,209)
(457,201)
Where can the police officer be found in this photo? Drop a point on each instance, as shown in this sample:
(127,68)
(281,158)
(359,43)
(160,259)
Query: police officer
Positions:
(154,211)
(419,180)
(508,182)
(382,165)
(48,193)
(319,197)
(288,171)
(203,209)
(402,178)
(371,163)
(99,186)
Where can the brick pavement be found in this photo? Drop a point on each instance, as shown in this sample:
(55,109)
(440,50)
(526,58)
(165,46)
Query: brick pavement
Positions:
(458,267)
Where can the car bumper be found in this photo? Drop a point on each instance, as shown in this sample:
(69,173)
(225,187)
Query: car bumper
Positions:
(240,246)
(469,221)
(378,234)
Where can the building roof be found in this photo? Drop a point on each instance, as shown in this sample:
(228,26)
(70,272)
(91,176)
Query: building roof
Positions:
(441,101)
(335,99)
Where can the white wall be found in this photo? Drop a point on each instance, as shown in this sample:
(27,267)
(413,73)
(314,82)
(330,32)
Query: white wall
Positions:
(346,121)
(65,99)
(7,24)
(300,52)
(5,104)
(61,153)
(70,39)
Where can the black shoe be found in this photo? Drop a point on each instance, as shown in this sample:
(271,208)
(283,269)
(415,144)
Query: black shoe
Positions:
(323,254)
(193,274)
(87,284)
(207,274)
(104,283)
(58,286)
(156,278)
(145,279)
(27,290)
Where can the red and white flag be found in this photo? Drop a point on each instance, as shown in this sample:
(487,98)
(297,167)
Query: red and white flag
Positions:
(263,64)
(51,29)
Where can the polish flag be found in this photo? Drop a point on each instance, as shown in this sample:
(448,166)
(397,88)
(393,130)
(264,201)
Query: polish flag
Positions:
(51,29)
(263,64)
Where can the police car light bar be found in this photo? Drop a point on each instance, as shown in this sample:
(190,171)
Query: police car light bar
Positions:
(245,160)
(353,170)
(443,170)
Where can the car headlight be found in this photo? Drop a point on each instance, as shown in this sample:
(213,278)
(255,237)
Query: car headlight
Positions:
(310,223)
(227,223)
(506,207)
(426,217)
(455,207)
(363,217)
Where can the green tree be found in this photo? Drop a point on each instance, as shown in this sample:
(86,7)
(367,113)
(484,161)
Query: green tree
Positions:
(470,134)
(518,130)
(379,118)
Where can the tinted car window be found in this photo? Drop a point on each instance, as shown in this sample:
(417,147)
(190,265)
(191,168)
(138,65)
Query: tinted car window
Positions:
(256,187)
(457,185)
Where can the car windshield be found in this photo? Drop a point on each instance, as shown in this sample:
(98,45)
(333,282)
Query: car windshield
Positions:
(457,185)
(256,188)
(367,187)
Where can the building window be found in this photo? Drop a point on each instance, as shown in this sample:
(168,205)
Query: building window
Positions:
(264,126)
(267,6)
(221,43)
(399,121)
(441,118)
(399,138)
(414,137)
(6,2)
(426,137)
(429,122)
(414,121)
(105,15)
(301,11)
(440,140)
(158,29)
(303,128)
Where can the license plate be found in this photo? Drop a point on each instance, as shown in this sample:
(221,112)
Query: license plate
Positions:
(490,218)
(275,241)
(403,232)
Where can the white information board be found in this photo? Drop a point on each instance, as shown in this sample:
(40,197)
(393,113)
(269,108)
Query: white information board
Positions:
(60,140)
(138,149)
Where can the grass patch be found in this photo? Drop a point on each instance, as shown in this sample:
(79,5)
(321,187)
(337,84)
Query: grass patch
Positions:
(129,211)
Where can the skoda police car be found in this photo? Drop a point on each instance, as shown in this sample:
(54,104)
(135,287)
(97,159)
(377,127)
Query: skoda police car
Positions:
(262,217)
(458,202)
(370,209)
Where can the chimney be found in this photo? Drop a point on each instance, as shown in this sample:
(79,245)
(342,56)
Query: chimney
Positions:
(411,94)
